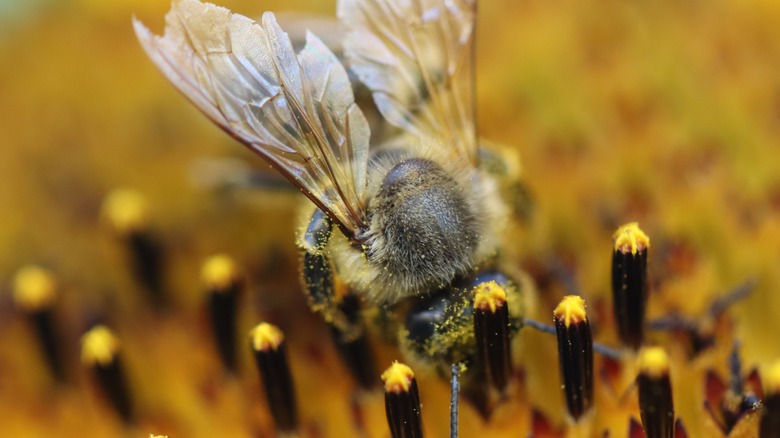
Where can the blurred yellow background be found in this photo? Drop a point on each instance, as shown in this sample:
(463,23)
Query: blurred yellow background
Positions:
(663,112)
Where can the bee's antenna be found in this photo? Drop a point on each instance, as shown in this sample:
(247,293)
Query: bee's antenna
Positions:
(455,389)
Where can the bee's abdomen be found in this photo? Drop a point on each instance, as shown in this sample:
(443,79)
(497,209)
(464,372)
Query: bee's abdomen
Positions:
(424,227)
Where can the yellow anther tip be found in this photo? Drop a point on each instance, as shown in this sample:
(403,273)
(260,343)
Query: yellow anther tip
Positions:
(630,237)
(571,310)
(126,210)
(266,337)
(398,378)
(99,346)
(653,362)
(489,295)
(219,272)
(34,288)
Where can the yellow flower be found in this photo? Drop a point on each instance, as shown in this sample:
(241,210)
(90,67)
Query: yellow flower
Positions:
(654,112)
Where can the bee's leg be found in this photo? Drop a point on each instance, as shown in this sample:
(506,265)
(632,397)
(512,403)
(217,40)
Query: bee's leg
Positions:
(353,345)
(337,306)
(503,164)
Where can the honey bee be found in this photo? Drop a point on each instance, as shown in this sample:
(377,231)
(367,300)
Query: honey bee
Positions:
(421,216)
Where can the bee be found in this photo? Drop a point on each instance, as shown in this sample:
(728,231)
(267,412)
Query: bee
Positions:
(410,224)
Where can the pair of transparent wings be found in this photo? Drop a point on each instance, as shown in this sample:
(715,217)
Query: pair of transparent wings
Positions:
(298,111)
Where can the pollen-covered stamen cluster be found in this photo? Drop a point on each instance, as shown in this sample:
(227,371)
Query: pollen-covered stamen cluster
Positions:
(492,330)
(629,283)
(575,354)
(656,405)
(402,402)
(270,351)
(35,294)
(127,213)
(223,284)
(100,353)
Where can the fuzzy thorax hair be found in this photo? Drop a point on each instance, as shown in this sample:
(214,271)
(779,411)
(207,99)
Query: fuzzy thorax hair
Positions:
(431,218)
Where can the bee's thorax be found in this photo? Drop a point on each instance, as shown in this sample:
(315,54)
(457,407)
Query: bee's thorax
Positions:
(423,229)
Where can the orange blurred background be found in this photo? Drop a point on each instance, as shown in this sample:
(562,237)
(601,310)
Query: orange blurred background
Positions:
(667,113)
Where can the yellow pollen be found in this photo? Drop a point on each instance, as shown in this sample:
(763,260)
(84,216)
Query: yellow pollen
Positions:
(398,378)
(126,210)
(219,272)
(571,310)
(489,295)
(34,288)
(653,362)
(151,435)
(99,346)
(630,237)
(266,337)
(772,379)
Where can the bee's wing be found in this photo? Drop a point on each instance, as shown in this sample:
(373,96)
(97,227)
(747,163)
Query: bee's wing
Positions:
(416,56)
(297,25)
(298,113)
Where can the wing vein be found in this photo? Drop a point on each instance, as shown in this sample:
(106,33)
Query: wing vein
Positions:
(247,79)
